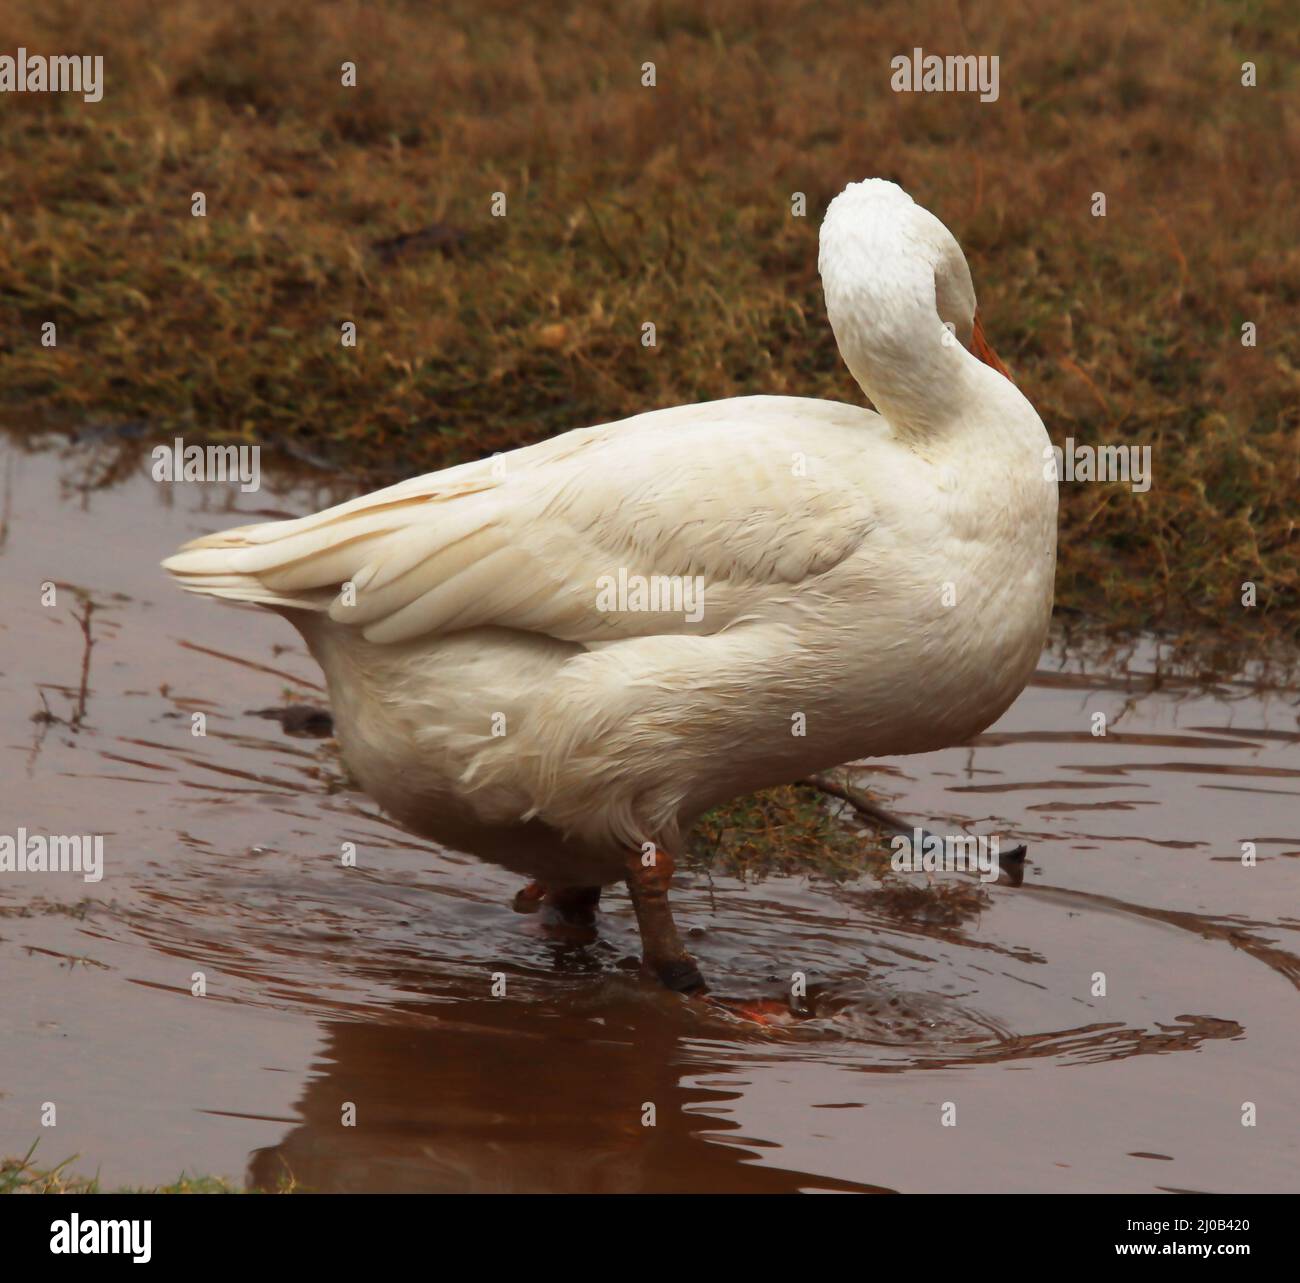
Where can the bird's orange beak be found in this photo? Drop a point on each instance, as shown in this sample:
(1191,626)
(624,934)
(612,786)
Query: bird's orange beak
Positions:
(980,346)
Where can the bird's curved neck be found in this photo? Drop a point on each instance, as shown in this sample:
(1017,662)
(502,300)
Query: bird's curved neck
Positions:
(906,360)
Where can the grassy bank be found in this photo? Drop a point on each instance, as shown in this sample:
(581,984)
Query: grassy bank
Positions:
(23,1176)
(672,205)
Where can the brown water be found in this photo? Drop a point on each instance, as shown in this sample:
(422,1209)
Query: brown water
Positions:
(372,985)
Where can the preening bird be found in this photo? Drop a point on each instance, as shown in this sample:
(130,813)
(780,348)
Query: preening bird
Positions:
(559,658)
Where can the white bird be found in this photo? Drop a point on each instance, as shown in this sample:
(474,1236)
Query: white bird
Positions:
(558,658)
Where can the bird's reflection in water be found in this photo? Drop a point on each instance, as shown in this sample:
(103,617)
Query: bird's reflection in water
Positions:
(501,1098)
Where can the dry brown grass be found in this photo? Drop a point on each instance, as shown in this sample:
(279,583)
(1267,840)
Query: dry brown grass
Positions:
(671,205)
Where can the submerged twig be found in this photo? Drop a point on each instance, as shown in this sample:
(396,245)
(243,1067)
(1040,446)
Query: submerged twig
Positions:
(895,823)
(824,784)
(88,609)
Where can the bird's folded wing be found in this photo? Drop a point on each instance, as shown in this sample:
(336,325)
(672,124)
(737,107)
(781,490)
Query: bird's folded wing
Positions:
(593,536)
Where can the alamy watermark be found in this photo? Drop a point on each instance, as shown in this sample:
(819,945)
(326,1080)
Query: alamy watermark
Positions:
(33,73)
(181,462)
(62,853)
(1127,463)
(922,852)
(921,72)
(102,1237)
(663,594)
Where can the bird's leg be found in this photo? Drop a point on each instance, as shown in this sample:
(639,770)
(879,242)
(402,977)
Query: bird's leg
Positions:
(528,899)
(574,906)
(648,879)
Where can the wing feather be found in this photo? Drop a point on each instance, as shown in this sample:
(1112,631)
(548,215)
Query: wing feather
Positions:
(714,492)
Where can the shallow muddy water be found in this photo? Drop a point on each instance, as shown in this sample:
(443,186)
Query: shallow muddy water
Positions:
(371,986)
